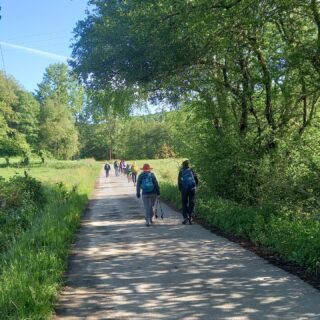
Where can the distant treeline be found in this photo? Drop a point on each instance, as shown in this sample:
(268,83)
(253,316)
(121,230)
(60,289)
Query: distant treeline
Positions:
(43,123)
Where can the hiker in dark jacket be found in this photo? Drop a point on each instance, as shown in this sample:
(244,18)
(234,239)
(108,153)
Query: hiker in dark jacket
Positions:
(107,169)
(147,181)
(187,183)
(116,167)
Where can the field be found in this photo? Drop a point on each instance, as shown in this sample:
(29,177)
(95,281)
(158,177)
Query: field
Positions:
(69,173)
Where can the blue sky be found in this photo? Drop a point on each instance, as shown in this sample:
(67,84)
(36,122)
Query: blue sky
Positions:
(35,34)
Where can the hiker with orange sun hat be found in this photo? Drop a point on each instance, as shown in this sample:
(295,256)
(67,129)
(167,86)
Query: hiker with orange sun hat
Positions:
(147,182)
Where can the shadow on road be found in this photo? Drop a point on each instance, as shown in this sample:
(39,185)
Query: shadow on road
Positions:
(120,269)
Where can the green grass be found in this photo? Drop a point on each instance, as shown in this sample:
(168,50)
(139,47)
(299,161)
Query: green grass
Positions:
(31,271)
(70,173)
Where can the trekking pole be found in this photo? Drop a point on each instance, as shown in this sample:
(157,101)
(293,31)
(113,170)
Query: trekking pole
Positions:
(156,209)
(160,209)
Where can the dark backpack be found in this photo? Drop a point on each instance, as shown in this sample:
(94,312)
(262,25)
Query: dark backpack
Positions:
(187,180)
(147,184)
(107,167)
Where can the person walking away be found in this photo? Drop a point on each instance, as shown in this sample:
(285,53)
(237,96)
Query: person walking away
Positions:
(123,167)
(187,183)
(128,172)
(116,168)
(134,172)
(107,168)
(120,167)
(147,182)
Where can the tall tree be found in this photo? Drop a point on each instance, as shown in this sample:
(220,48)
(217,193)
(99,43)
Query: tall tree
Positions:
(57,131)
(61,85)
(18,119)
(61,101)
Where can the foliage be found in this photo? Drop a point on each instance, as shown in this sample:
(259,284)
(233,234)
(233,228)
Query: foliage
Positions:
(45,127)
(94,141)
(57,131)
(61,100)
(18,119)
(32,267)
(60,85)
(145,137)
(295,238)
(20,198)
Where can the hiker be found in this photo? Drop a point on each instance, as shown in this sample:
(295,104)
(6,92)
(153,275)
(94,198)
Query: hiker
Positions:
(120,166)
(129,172)
(187,183)
(134,172)
(147,181)
(107,168)
(123,167)
(116,168)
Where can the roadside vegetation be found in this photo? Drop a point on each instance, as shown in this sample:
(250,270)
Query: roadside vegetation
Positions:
(38,219)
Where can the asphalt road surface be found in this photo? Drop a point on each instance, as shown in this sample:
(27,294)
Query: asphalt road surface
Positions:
(121,269)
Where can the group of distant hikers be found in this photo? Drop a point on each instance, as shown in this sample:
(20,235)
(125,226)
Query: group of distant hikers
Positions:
(147,182)
(123,168)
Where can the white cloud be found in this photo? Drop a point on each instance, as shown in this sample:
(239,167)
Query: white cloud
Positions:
(37,52)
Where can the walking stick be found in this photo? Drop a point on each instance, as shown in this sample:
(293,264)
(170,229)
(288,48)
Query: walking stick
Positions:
(159,203)
(156,209)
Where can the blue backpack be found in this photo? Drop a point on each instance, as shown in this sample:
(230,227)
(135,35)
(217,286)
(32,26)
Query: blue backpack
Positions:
(147,184)
(187,180)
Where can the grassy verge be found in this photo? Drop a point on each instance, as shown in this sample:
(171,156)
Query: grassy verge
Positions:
(31,270)
(293,236)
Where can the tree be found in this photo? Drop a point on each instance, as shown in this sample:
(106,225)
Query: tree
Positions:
(27,110)
(18,119)
(59,84)
(198,51)
(58,134)
(61,101)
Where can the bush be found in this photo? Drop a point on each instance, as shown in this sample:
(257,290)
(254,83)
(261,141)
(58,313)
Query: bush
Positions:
(21,199)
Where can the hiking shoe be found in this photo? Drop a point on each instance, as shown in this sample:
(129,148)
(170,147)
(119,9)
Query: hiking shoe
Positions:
(190,221)
(185,221)
(147,224)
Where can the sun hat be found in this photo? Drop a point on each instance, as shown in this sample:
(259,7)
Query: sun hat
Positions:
(146,167)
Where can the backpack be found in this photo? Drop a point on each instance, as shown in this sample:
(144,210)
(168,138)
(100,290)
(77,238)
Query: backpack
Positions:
(107,167)
(147,184)
(187,180)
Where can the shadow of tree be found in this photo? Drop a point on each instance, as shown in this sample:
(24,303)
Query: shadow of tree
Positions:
(120,269)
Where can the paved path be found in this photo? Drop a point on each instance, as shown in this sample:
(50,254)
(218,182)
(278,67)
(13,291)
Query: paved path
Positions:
(120,269)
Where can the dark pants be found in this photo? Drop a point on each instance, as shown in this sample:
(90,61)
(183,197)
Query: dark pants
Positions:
(134,178)
(187,203)
(107,173)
